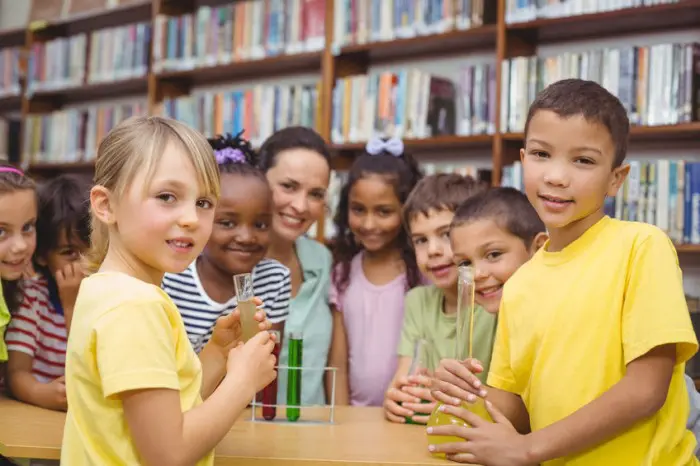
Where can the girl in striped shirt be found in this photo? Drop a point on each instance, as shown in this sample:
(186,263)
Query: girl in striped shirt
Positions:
(36,337)
(238,244)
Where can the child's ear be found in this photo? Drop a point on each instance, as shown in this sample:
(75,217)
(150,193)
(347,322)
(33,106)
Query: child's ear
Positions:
(619,175)
(101,204)
(538,242)
(41,261)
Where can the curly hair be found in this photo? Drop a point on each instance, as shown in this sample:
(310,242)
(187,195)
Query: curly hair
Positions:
(403,173)
(244,162)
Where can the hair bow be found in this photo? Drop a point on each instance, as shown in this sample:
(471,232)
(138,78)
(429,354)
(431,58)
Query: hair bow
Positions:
(376,146)
(229,154)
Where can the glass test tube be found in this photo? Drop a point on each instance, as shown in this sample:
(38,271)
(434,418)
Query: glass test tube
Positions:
(244,295)
(269,393)
(422,364)
(294,379)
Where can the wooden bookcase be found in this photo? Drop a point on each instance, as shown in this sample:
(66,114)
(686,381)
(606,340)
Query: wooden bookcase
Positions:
(504,40)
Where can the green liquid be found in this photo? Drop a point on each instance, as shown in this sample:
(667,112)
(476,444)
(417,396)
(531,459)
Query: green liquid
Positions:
(438,418)
(410,420)
(294,379)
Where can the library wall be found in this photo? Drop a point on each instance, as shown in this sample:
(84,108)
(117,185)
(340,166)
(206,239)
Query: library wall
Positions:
(447,67)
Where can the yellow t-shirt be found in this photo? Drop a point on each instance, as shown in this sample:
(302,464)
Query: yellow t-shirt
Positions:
(569,323)
(126,335)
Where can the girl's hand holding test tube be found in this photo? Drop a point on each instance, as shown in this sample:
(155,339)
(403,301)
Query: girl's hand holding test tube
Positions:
(227,331)
(253,361)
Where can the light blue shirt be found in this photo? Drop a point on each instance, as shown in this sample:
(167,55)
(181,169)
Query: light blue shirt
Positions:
(310,314)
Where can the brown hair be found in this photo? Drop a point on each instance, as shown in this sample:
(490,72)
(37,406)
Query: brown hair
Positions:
(64,206)
(11,180)
(508,207)
(589,99)
(137,144)
(443,191)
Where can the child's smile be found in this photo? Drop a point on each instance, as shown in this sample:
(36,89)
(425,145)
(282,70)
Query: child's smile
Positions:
(17,232)
(241,232)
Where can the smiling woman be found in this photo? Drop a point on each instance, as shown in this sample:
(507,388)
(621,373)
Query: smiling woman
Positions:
(297,164)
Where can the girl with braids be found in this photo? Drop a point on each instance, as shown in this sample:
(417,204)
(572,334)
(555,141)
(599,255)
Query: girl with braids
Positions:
(374,267)
(238,243)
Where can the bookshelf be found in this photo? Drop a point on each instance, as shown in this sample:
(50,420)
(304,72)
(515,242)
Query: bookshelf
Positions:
(497,35)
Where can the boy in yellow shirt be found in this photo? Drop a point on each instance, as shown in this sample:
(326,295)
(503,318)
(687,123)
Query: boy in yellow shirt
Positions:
(593,331)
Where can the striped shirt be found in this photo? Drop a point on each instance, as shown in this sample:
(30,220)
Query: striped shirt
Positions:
(271,283)
(37,330)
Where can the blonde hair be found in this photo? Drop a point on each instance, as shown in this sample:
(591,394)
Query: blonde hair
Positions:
(137,144)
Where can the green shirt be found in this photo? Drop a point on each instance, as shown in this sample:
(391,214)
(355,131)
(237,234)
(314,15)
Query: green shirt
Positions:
(425,319)
(4,320)
(310,314)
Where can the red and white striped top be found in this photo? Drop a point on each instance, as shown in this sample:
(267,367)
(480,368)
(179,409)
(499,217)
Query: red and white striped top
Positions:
(39,331)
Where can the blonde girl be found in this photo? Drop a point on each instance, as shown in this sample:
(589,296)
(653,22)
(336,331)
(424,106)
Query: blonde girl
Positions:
(135,386)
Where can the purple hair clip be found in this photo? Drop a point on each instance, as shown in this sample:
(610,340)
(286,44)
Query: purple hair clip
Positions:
(229,154)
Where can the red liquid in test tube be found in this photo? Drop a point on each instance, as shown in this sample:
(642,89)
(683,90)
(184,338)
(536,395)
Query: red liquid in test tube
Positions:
(269,393)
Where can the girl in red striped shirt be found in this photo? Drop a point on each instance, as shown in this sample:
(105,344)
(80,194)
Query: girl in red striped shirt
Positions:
(36,336)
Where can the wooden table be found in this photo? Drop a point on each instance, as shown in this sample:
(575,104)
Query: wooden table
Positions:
(358,436)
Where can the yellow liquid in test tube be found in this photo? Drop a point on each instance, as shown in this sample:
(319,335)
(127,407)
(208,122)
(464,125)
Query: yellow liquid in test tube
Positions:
(249,326)
(244,295)
(465,326)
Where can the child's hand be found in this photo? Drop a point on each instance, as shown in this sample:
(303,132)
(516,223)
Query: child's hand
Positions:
(395,397)
(454,381)
(227,330)
(419,387)
(487,443)
(68,282)
(254,361)
(53,394)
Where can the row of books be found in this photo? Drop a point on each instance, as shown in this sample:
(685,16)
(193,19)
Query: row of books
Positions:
(9,72)
(119,53)
(411,103)
(73,135)
(363,21)
(57,64)
(260,111)
(658,85)
(664,192)
(518,11)
(244,30)
(4,140)
(115,54)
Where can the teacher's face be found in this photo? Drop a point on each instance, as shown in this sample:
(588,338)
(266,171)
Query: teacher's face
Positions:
(299,181)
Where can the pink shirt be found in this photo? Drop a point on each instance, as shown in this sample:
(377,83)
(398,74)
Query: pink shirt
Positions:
(373,316)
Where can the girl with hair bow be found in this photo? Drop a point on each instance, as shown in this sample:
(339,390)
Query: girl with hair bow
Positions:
(374,266)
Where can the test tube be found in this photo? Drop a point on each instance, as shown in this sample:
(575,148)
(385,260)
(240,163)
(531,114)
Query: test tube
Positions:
(269,393)
(244,295)
(294,379)
(422,364)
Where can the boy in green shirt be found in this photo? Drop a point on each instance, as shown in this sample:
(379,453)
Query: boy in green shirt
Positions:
(430,311)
